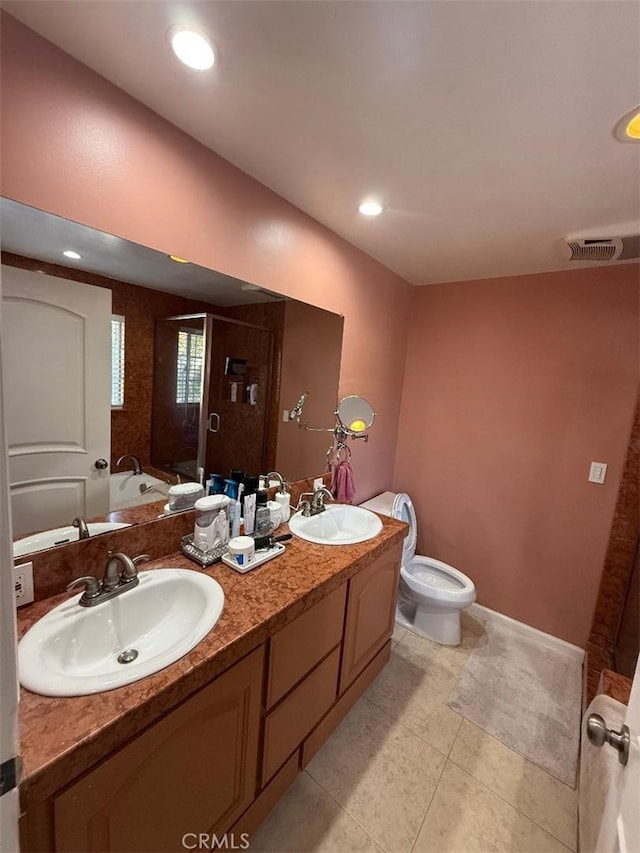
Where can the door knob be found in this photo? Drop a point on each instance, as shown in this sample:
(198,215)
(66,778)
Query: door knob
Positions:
(599,734)
(101,464)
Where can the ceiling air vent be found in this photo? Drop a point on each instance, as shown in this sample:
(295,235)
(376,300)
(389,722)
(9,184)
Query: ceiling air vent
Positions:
(604,249)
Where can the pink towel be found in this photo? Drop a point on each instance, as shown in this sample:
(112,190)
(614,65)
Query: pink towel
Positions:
(343,486)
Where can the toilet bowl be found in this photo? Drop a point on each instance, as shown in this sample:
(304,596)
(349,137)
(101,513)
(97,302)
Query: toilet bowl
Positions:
(431,593)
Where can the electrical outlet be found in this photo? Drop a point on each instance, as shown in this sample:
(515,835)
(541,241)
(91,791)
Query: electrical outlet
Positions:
(285,416)
(318,483)
(23,583)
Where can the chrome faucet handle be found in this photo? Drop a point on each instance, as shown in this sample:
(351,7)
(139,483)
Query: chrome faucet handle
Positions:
(130,573)
(306,508)
(91,588)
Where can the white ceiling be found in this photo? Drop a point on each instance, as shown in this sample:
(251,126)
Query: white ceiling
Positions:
(486,128)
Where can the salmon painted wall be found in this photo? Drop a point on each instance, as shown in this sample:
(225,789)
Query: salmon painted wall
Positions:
(76,146)
(512,388)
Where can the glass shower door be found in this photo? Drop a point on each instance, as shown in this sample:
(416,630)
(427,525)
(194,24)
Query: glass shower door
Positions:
(182,346)
(239,397)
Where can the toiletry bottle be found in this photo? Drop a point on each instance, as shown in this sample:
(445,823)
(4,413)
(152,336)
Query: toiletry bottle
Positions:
(234,519)
(221,528)
(216,484)
(284,499)
(231,489)
(249,513)
(262,511)
(250,486)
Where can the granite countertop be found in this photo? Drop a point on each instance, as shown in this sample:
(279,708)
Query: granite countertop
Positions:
(63,737)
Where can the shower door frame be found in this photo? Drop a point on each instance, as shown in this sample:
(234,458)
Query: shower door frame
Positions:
(208,332)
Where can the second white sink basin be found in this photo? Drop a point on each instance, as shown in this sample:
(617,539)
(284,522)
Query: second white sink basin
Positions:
(339,524)
(74,650)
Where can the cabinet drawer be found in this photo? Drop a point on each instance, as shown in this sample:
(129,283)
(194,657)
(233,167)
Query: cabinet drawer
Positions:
(288,724)
(299,646)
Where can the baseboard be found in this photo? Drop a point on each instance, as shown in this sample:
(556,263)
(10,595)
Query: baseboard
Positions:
(541,637)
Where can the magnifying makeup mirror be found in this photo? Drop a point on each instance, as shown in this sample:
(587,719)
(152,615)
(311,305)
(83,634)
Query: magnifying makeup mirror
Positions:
(355,414)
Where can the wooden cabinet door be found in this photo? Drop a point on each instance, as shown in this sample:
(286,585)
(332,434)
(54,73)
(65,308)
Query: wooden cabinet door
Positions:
(371,608)
(193,772)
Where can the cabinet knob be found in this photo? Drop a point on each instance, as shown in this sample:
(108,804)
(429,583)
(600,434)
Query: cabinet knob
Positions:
(101,464)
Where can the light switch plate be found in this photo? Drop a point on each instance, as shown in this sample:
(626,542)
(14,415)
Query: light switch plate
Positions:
(597,472)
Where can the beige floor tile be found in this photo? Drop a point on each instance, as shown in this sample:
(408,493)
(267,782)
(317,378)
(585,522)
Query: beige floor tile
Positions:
(525,785)
(414,689)
(307,819)
(465,817)
(452,658)
(398,633)
(381,774)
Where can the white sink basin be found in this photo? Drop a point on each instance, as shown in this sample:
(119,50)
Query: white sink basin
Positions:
(60,536)
(73,650)
(339,524)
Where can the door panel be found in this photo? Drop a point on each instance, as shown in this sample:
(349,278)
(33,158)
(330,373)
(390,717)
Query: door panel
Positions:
(620,825)
(57,371)
(9,806)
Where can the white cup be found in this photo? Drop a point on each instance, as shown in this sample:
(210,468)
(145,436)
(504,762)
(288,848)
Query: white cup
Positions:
(242,548)
(275,513)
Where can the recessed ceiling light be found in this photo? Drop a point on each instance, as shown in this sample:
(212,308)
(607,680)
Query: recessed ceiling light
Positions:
(69,253)
(370,208)
(193,49)
(628,128)
(178,259)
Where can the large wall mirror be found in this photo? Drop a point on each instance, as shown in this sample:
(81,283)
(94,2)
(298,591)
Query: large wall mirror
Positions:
(125,352)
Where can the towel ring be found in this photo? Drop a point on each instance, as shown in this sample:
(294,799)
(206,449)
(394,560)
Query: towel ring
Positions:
(333,454)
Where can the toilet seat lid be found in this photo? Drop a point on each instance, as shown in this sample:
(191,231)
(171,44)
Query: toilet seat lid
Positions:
(398,505)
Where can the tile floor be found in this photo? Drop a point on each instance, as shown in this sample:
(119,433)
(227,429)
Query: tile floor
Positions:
(403,772)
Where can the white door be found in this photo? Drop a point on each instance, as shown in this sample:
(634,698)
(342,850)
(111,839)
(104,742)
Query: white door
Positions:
(620,827)
(8,667)
(57,377)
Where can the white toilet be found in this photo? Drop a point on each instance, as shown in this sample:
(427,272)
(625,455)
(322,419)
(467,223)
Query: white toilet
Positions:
(431,593)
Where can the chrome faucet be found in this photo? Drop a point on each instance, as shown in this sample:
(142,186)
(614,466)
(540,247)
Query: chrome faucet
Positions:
(316,505)
(283,483)
(81,524)
(137,467)
(115,580)
(317,502)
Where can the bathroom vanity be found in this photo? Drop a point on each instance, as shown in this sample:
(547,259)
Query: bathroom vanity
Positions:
(209,744)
